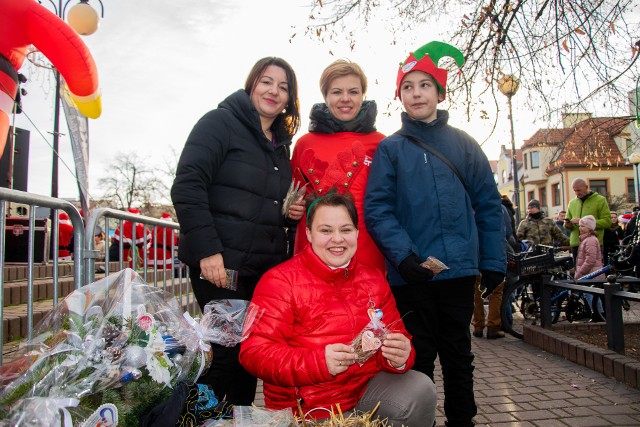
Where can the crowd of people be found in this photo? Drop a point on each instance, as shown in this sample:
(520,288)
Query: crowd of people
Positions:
(156,244)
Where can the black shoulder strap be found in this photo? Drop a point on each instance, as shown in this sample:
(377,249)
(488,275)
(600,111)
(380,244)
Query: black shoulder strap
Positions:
(438,154)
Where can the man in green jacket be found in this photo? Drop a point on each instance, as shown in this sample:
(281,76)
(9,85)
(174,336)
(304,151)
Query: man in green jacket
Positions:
(586,203)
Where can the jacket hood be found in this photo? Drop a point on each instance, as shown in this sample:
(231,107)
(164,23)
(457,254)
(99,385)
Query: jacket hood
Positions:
(323,121)
(239,103)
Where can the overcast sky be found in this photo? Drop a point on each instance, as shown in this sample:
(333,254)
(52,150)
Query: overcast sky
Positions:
(163,64)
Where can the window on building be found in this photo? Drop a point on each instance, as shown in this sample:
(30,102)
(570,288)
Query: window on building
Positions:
(535,160)
(555,194)
(504,176)
(530,196)
(542,191)
(631,191)
(525,161)
(629,147)
(598,186)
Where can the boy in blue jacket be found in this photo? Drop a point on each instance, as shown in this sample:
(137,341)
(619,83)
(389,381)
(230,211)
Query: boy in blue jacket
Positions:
(431,192)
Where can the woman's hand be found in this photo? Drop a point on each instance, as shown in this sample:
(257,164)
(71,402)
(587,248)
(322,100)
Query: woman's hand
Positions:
(338,357)
(212,269)
(396,348)
(296,210)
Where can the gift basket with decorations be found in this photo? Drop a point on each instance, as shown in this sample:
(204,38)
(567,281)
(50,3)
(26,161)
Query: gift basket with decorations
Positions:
(113,350)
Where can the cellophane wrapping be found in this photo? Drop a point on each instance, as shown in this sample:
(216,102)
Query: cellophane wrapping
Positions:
(116,342)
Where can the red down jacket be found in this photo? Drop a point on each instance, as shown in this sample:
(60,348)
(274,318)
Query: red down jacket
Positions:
(308,306)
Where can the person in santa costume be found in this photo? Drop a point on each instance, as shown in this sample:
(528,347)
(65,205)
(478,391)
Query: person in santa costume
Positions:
(337,151)
(65,234)
(162,238)
(128,239)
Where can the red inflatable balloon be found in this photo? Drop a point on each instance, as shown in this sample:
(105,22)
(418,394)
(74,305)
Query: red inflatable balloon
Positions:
(26,22)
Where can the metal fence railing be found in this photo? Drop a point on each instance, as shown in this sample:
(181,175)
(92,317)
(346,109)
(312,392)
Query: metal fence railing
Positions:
(172,277)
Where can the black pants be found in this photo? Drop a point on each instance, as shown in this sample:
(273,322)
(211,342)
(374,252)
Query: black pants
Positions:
(438,315)
(227,377)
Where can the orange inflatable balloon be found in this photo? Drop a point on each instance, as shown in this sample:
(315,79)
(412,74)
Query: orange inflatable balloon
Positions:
(26,22)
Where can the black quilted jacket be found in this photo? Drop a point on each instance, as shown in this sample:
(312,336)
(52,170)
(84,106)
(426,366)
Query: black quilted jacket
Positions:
(229,188)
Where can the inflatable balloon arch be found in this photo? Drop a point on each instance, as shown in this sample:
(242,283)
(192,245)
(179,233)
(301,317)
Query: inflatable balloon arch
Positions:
(26,22)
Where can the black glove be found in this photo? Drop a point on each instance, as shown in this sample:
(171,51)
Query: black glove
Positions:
(489,282)
(412,272)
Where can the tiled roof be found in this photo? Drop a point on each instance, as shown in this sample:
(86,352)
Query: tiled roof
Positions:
(591,144)
(547,137)
(507,153)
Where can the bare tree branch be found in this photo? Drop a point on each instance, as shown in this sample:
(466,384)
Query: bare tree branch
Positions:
(569,55)
(130,180)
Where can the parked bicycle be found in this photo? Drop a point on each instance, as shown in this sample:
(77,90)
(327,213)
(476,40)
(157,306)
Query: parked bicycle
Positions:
(521,300)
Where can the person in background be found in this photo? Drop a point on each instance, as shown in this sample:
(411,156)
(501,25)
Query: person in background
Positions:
(339,147)
(632,221)
(560,222)
(539,229)
(612,237)
(446,205)
(65,237)
(232,178)
(585,203)
(493,320)
(160,253)
(129,241)
(589,255)
(316,304)
(99,243)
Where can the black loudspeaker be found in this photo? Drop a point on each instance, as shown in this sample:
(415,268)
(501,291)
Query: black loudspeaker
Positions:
(20,160)
(17,240)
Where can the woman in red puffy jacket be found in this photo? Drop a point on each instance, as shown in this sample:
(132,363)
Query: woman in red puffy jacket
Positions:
(316,304)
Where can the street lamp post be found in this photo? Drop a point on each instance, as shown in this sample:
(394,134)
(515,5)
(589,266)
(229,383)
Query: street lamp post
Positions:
(509,85)
(84,20)
(634,159)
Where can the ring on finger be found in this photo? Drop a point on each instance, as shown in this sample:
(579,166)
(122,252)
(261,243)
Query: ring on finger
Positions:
(340,362)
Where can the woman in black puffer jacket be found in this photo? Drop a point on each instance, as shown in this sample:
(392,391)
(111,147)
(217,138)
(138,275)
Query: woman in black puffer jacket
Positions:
(232,178)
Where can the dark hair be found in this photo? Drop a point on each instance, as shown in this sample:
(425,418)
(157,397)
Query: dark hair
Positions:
(288,122)
(342,68)
(331,199)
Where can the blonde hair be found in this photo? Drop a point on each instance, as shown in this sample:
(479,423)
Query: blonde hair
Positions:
(341,68)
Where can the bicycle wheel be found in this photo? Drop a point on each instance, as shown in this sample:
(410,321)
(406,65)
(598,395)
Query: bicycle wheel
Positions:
(519,307)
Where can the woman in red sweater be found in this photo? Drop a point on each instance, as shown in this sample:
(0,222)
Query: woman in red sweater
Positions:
(316,304)
(339,147)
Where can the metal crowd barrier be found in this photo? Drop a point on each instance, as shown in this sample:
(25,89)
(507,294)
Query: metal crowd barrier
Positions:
(175,278)
(613,296)
(56,205)
(178,271)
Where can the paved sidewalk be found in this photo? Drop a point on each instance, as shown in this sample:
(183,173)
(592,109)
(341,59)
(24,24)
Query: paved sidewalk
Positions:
(517,384)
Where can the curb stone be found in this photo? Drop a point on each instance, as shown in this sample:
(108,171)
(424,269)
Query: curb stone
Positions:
(611,364)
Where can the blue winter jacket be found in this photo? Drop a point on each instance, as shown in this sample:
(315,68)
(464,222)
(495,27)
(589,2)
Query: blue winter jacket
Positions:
(415,203)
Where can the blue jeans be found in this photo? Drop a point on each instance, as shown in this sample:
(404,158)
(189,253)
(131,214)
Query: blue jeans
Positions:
(438,315)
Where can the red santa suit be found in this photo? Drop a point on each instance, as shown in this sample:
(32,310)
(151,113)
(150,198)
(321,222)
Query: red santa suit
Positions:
(127,239)
(65,233)
(161,240)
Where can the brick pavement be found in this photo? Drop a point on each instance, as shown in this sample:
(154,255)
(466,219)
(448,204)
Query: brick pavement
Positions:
(517,384)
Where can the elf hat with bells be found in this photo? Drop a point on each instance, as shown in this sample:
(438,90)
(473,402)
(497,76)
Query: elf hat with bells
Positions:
(426,59)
